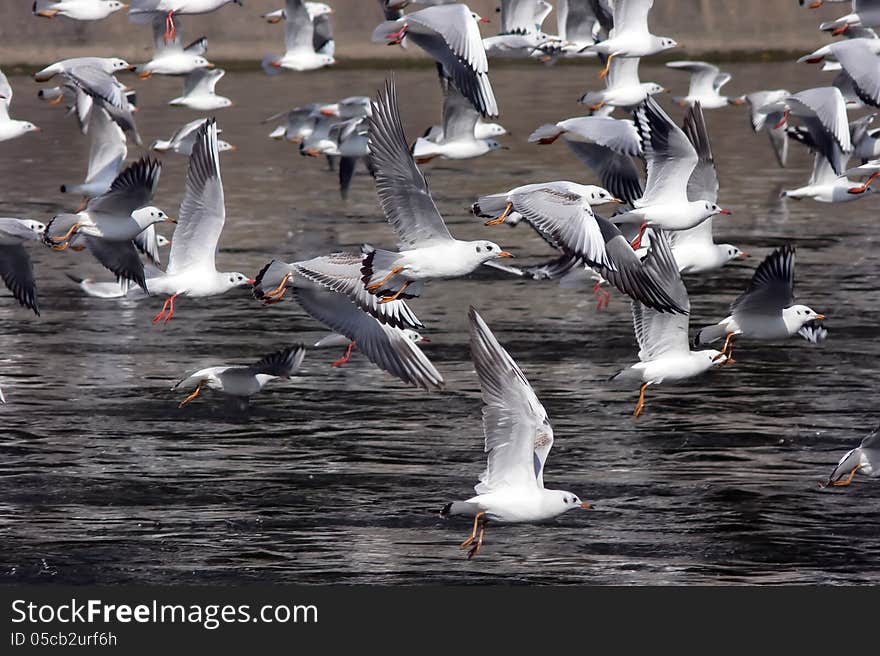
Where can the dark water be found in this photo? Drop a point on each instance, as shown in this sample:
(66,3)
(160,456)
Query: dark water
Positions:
(337,475)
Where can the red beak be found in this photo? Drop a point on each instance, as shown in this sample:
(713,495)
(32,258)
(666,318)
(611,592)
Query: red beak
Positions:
(251,281)
(725,212)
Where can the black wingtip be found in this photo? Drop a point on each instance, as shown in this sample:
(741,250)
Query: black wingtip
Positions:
(258,281)
(447,509)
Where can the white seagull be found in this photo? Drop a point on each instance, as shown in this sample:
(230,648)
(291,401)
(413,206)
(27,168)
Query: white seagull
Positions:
(671,159)
(630,36)
(300,53)
(705,85)
(623,87)
(864,459)
(181,142)
(81,10)
(198,91)
(243,381)
(144,11)
(171,57)
(518,440)
(449,33)
(766,310)
(10,128)
(192,269)
(15,264)
(664,347)
(429,251)
(772,123)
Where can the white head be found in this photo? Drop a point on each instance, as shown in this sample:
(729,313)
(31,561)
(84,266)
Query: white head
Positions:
(113,5)
(491,144)
(493,129)
(487,250)
(35,226)
(595,195)
(665,43)
(414,337)
(652,88)
(224,145)
(708,209)
(797,315)
(565,501)
(223,102)
(326,60)
(147,216)
(162,241)
(26,126)
(236,279)
(479,18)
(730,252)
(201,62)
(316,9)
(116,64)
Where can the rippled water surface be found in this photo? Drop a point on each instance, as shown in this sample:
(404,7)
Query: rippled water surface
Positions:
(338,474)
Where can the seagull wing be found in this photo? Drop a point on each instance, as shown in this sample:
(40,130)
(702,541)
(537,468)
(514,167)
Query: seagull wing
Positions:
(133,188)
(703,183)
(772,286)
(298,27)
(18,274)
(402,189)
(518,435)
(631,16)
(703,76)
(459,116)
(108,150)
(863,67)
(203,210)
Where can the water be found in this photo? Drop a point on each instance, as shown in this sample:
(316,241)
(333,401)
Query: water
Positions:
(337,475)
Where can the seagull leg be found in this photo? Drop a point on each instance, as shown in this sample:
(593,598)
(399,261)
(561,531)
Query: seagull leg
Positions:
(396,295)
(376,285)
(840,30)
(275,295)
(597,106)
(56,101)
(57,242)
(191,396)
(843,482)
(169,307)
(604,72)
(862,188)
(476,547)
(473,535)
(641,404)
(637,242)
(48,13)
(603,297)
(82,204)
(500,219)
(396,38)
(815,5)
(170,30)
(345,358)
(727,349)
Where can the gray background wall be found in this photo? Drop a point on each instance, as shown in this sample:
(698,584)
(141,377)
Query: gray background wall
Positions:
(238,33)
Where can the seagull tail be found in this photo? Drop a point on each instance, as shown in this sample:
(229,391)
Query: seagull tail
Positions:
(545,134)
(58,226)
(425,149)
(270,277)
(490,206)
(378,264)
(710,334)
(459,508)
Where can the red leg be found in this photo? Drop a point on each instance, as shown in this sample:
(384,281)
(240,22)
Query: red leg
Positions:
(345,358)
(637,242)
(169,307)
(170,31)
(603,297)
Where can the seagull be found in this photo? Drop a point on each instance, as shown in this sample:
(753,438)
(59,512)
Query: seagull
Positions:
(111,221)
(428,249)
(79,103)
(577,27)
(352,144)
(106,156)
(449,33)
(482,129)
(865,13)
(607,145)
(337,339)
(243,381)
(766,310)
(864,459)
(458,140)
(328,289)
(192,269)
(630,36)
(624,89)
(822,112)
(664,350)
(299,41)
(181,142)
(773,123)
(300,122)
(93,77)
(518,440)
(695,250)
(315,9)
(859,60)
(705,86)
(827,54)
(15,264)
(521,32)
(671,159)
(561,213)
(198,91)
(170,57)
(144,11)
(81,10)
(10,128)
(825,186)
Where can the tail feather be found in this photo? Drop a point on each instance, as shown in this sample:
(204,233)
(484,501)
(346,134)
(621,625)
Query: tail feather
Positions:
(269,278)
(423,148)
(490,206)
(58,226)
(709,334)
(378,264)
(547,133)
(459,508)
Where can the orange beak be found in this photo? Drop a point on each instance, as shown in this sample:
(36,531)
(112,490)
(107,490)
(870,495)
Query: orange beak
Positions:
(505,254)
(743,255)
(484,20)
(168,219)
(251,281)
(725,212)
(820,316)
(328,112)
(586,506)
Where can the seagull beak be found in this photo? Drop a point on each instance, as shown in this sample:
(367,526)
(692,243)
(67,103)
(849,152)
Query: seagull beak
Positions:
(328,112)
(586,506)
(132,67)
(484,20)
(169,219)
(820,316)
(738,101)
(505,254)
(725,212)
(616,200)
(743,255)
(425,340)
(251,281)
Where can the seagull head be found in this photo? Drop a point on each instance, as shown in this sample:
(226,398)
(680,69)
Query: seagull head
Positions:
(147,216)
(236,279)
(30,127)
(495,145)
(35,226)
(595,195)
(488,250)
(415,337)
(117,64)
(652,88)
(567,501)
(731,252)
(114,5)
(797,315)
(666,43)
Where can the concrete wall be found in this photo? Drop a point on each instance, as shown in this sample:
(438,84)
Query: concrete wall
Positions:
(238,33)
